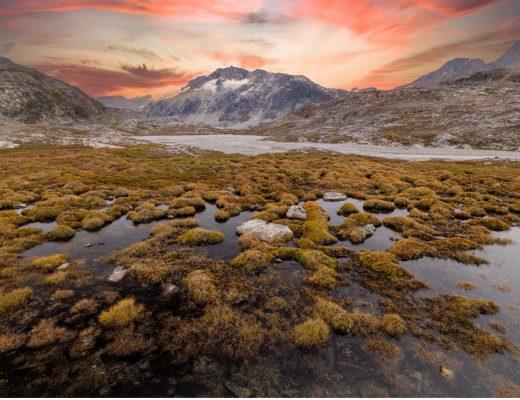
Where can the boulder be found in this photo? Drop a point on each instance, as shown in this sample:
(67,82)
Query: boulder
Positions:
(296,212)
(334,196)
(118,274)
(368,229)
(267,232)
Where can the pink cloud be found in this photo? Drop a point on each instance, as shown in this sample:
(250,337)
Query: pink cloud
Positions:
(98,81)
(178,8)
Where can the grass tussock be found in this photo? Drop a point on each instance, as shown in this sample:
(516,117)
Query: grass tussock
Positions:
(199,237)
(124,312)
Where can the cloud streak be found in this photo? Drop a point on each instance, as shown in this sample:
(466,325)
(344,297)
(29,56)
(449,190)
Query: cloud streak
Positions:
(100,82)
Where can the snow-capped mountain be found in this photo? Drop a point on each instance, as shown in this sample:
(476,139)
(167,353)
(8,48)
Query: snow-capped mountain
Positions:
(236,98)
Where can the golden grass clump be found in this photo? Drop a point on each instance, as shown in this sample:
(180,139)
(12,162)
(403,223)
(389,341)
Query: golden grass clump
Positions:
(347,209)
(199,237)
(15,299)
(124,312)
(47,263)
(252,260)
(378,205)
(411,248)
(316,227)
(312,333)
(61,232)
(58,278)
(200,287)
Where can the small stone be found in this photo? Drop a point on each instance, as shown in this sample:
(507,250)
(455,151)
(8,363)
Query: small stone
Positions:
(63,266)
(296,212)
(88,245)
(19,206)
(334,196)
(110,198)
(447,373)
(278,260)
(238,391)
(169,289)
(232,190)
(118,274)
(369,229)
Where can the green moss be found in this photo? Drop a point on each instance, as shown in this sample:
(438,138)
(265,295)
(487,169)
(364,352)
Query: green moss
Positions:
(316,227)
(199,237)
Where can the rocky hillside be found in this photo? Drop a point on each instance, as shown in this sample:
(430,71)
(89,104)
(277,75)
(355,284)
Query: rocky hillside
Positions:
(480,111)
(463,67)
(236,98)
(30,96)
(121,102)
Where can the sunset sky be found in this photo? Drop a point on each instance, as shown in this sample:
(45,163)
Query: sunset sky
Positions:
(137,47)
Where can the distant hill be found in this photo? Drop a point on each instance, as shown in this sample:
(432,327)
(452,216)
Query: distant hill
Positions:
(236,98)
(30,96)
(480,110)
(133,104)
(462,67)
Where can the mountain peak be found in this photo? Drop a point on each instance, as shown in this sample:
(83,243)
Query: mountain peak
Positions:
(464,67)
(237,98)
(31,96)
(510,59)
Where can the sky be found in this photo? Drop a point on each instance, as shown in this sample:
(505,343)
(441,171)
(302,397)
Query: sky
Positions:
(138,47)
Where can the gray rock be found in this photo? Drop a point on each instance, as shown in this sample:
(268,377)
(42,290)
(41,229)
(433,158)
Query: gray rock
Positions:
(63,266)
(30,96)
(19,206)
(447,373)
(296,212)
(169,289)
(266,231)
(232,190)
(334,196)
(237,390)
(118,274)
(369,229)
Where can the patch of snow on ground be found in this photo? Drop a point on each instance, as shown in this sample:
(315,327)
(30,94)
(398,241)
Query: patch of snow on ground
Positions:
(7,145)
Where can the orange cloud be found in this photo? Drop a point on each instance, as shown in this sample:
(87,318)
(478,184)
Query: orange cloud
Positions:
(384,21)
(177,8)
(129,80)
(244,60)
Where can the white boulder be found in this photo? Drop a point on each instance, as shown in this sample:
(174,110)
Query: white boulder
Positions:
(334,196)
(296,212)
(267,232)
(118,274)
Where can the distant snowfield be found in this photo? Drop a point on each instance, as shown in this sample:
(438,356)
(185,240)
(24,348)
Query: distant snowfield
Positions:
(253,145)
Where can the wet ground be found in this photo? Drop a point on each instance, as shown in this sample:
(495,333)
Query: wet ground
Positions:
(253,145)
(344,367)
